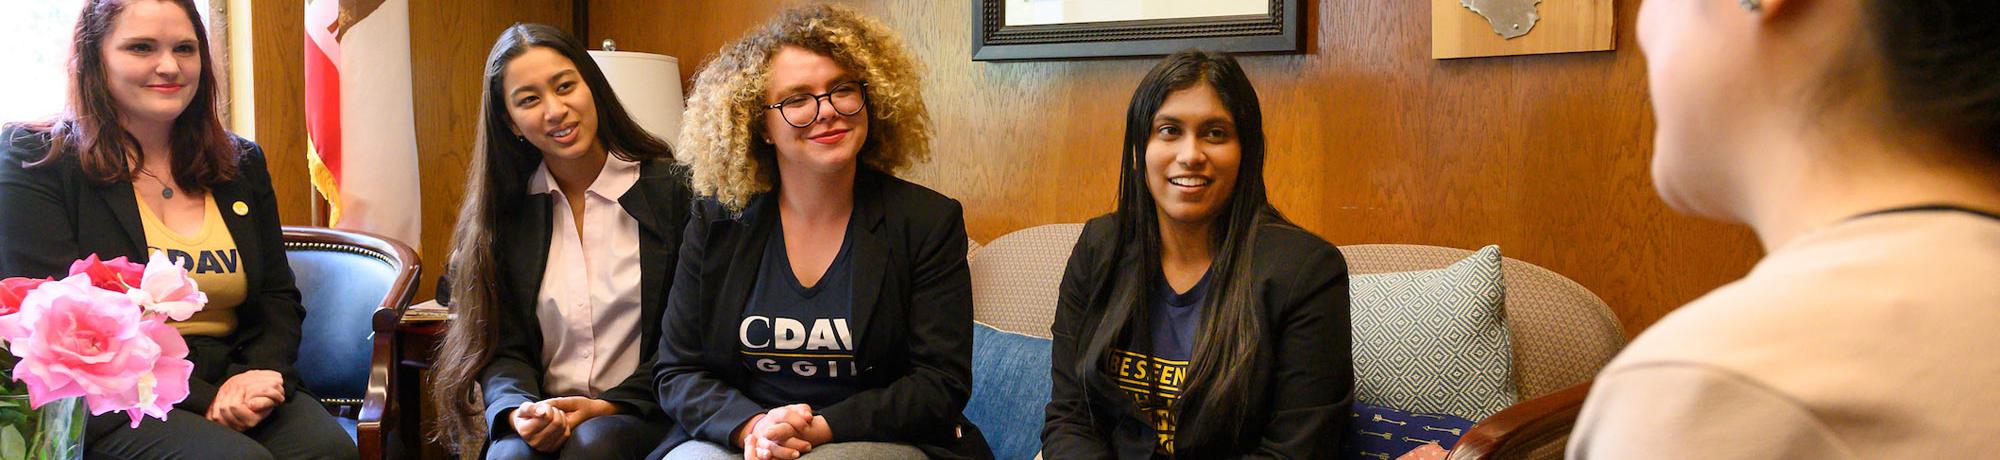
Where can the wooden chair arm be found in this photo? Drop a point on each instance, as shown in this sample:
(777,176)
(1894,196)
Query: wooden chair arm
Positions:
(377,405)
(370,436)
(1517,431)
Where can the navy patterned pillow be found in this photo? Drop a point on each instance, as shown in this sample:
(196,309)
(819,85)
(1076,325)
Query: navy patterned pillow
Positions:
(1381,433)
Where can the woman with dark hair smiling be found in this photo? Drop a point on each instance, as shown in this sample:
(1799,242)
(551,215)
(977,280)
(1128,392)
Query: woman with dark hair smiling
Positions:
(1195,321)
(561,261)
(137,162)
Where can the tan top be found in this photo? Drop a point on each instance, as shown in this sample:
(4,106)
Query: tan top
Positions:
(1874,338)
(212,261)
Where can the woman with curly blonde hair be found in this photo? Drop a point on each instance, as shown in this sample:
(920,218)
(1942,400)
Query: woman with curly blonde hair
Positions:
(821,304)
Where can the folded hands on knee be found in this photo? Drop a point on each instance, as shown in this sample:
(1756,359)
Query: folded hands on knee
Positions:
(246,399)
(783,433)
(547,424)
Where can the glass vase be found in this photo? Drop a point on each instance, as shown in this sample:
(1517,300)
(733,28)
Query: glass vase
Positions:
(51,432)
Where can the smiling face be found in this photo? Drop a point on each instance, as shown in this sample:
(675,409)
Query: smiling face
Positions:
(152,62)
(550,105)
(1192,156)
(829,142)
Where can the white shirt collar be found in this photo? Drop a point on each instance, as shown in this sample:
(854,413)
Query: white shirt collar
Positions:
(612,182)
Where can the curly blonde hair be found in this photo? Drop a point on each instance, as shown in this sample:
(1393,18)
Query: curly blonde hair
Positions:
(718,141)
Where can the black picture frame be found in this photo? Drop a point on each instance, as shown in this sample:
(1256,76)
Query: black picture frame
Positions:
(992,40)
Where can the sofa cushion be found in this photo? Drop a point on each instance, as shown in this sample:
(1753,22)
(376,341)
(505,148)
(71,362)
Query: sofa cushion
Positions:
(1434,341)
(1010,390)
(1384,433)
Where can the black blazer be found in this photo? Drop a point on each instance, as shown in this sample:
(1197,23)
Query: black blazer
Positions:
(55,214)
(912,310)
(659,201)
(1299,407)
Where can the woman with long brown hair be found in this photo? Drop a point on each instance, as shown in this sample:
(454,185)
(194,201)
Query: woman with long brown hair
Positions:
(138,162)
(1195,321)
(560,264)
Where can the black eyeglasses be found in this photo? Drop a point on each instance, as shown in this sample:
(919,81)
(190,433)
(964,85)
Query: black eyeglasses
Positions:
(799,110)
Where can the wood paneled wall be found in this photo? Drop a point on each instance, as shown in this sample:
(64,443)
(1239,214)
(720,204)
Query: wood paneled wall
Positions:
(276,113)
(1371,140)
(448,52)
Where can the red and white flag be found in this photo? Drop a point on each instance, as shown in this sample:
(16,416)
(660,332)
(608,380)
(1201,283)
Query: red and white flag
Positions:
(362,144)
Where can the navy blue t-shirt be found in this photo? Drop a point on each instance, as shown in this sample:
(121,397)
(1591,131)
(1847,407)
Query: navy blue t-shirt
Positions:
(1175,316)
(1153,376)
(795,339)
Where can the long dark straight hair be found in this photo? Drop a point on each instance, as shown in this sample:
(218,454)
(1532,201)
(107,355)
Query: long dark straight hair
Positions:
(1226,352)
(202,154)
(496,185)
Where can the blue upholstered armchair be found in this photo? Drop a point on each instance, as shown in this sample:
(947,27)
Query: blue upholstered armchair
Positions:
(355,286)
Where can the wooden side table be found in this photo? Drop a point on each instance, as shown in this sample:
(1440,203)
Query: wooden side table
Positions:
(417,338)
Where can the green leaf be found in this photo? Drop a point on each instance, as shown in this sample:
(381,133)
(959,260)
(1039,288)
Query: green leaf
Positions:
(12,445)
(13,410)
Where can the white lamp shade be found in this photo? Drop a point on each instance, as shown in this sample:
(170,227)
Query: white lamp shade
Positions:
(649,85)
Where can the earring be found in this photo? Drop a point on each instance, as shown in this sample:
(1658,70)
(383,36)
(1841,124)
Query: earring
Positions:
(1752,5)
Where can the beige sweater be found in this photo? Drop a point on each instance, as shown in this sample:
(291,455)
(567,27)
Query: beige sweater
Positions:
(1876,338)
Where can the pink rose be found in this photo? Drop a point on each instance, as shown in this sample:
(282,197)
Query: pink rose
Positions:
(13,290)
(165,288)
(76,340)
(110,275)
(166,384)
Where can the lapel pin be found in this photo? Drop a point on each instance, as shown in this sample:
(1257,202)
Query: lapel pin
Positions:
(240,208)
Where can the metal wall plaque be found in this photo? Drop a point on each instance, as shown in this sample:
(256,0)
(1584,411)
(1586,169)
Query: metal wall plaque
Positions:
(1481,28)
(1509,18)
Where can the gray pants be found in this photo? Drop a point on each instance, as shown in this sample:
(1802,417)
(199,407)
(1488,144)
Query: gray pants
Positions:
(611,437)
(703,450)
(298,429)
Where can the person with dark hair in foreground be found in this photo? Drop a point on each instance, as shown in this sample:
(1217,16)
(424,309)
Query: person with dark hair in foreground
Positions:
(1860,139)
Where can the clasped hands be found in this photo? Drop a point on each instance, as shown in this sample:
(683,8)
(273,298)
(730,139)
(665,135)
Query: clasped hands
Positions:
(547,424)
(784,433)
(246,399)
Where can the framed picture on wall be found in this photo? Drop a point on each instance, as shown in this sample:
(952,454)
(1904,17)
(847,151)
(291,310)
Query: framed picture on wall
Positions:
(1060,29)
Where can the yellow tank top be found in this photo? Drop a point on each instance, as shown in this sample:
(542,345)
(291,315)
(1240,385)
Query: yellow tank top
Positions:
(210,258)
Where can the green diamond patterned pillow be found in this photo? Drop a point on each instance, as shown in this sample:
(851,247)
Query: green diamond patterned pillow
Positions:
(1435,341)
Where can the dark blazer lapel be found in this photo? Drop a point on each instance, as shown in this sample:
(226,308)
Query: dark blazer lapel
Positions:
(871,253)
(242,227)
(529,254)
(737,266)
(118,196)
(1104,291)
(646,206)
(643,203)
